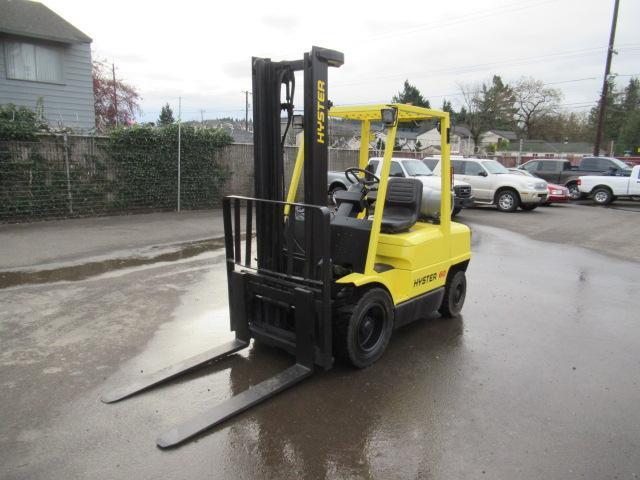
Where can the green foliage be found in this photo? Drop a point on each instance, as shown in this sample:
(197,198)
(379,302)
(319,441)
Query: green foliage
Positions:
(147,174)
(134,168)
(621,117)
(20,123)
(166,116)
(410,94)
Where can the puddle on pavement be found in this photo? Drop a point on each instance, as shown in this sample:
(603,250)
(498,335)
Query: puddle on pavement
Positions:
(91,269)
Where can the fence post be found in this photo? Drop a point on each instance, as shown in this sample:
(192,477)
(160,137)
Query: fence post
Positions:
(66,167)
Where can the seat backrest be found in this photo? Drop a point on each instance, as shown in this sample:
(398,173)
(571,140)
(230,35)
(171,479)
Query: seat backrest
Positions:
(402,205)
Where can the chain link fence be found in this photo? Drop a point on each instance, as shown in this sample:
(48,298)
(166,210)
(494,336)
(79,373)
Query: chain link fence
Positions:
(72,176)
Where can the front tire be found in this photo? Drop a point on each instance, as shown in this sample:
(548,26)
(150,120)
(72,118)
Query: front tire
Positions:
(455,211)
(602,196)
(507,201)
(455,292)
(363,328)
(574,191)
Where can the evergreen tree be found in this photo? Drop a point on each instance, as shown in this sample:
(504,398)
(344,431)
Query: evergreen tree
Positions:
(411,95)
(166,116)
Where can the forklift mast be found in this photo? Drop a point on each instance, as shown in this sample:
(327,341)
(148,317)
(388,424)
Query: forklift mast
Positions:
(269,80)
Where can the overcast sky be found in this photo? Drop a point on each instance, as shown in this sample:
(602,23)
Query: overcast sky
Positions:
(201,50)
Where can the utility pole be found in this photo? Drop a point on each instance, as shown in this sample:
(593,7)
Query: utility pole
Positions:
(605,83)
(179,134)
(246,109)
(202,117)
(115,96)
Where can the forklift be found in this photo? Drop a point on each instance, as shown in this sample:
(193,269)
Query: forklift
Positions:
(318,283)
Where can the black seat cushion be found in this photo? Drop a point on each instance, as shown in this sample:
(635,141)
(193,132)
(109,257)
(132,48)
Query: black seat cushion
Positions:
(402,206)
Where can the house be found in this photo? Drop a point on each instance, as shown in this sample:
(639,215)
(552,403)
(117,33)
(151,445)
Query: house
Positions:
(44,60)
(542,148)
(461,141)
(496,137)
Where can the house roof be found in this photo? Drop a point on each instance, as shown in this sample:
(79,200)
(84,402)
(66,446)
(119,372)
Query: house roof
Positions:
(508,134)
(35,20)
(540,146)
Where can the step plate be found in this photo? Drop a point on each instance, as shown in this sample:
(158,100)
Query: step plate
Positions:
(147,381)
(234,405)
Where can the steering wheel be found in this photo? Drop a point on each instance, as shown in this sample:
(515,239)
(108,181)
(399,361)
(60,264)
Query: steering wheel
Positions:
(350,173)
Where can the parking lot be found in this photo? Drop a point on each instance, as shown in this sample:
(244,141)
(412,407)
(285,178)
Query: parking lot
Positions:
(537,379)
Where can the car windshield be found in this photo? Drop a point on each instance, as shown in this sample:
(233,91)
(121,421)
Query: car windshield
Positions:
(494,167)
(415,168)
(517,171)
(620,164)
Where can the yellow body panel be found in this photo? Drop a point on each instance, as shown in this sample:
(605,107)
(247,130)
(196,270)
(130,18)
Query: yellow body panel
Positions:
(420,260)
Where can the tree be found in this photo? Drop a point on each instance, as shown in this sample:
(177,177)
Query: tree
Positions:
(471,113)
(166,116)
(620,116)
(411,95)
(497,104)
(116,102)
(534,104)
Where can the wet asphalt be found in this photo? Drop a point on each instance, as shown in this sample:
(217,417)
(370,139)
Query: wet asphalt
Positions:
(539,378)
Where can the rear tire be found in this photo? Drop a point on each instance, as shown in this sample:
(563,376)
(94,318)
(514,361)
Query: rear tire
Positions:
(529,206)
(362,329)
(507,201)
(602,196)
(455,292)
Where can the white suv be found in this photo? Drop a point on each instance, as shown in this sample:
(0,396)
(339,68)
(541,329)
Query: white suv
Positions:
(493,184)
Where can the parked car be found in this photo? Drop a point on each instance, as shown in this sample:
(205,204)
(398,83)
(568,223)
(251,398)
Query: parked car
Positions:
(493,184)
(408,167)
(607,188)
(556,193)
(561,172)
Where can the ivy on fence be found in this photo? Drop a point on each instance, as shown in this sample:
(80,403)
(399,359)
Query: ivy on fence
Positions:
(134,168)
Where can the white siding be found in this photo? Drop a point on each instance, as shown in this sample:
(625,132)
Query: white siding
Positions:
(69,104)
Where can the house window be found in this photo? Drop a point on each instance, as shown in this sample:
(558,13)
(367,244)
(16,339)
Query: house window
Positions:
(29,61)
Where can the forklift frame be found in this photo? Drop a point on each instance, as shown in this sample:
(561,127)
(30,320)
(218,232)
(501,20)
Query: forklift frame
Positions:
(285,294)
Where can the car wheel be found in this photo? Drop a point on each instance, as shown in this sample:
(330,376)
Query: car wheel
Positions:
(507,201)
(602,196)
(455,211)
(574,191)
(455,292)
(529,206)
(362,329)
(332,193)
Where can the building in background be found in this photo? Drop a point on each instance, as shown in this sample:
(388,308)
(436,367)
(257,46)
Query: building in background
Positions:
(44,59)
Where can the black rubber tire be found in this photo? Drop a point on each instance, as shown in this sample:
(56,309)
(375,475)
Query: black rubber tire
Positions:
(455,292)
(455,211)
(504,205)
(350,322)
(527,207)
(574,191)
(332,192)
(602,196)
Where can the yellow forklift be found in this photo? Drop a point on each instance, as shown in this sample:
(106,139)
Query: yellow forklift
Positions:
(325,284)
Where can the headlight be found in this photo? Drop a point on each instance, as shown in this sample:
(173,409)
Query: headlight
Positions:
(531,186)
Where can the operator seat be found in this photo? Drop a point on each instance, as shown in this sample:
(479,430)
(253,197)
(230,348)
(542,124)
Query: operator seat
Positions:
(402,206)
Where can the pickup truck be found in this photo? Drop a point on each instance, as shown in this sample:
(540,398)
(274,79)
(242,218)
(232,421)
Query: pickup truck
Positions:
(605,189)
(493,184)
(408,167)
(563,173)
